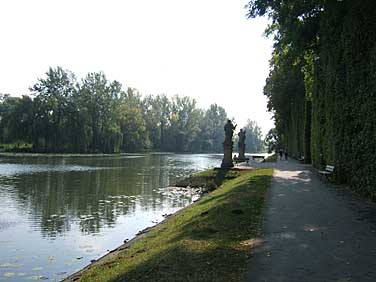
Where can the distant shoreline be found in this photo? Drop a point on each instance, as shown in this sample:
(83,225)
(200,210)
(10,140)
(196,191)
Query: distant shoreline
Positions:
(16,154)
(31,154)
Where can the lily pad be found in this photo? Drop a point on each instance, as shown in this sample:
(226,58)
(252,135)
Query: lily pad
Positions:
(86,247)
(61,273)
(38,277)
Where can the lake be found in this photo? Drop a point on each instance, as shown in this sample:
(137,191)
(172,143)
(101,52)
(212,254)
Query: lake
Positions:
(59,213)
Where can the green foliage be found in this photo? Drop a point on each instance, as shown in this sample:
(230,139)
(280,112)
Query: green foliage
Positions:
(98,101)
(53,98)
(253,137)
(132,122)
(211,129)
(272,140)
(156,114)
(16,119)
(184,124)
(286,99)
(96,115)
(345,96)
(332,44)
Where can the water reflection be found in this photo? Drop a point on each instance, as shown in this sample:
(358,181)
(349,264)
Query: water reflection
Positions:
(51,205)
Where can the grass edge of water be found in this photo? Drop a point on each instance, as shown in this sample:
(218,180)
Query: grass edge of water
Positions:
(210,240)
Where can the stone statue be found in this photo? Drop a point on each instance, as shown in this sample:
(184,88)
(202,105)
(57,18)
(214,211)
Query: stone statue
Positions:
(229,130)
(241,144)
(227,145)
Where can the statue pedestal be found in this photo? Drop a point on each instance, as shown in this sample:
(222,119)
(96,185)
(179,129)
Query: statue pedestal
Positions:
(241,160)
(242,152)
(241,155)
(227,156)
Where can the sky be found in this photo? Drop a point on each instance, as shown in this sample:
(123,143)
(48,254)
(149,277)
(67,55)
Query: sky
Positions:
(205,49)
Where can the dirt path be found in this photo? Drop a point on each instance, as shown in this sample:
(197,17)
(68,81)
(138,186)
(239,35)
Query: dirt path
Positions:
(314,231)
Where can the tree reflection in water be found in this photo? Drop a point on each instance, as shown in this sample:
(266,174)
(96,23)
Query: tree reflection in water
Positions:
(56,204)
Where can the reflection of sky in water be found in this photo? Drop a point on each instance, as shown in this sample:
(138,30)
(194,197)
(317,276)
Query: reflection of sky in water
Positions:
(57,214)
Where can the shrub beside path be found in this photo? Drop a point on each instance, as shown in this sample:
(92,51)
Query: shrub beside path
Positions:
(313,231)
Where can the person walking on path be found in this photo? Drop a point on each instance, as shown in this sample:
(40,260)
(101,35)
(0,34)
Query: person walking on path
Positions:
(286,155)
(280,154)
(313,231)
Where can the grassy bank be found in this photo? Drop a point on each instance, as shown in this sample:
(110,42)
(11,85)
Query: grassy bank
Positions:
(14,146)
(271,159)
(209,241)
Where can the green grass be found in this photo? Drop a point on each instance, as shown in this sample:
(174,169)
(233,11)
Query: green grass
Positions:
(208,241)
(209,180)
(12,146)
(271,159)
(218,174)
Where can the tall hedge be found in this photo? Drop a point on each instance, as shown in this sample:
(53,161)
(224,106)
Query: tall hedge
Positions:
(334,45)
(344,100)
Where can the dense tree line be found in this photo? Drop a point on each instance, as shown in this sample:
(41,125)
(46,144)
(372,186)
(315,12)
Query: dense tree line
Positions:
(97,115)
(253,137)
(322,82)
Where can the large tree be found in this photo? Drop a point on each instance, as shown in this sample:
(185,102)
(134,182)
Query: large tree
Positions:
(16,119)
(212,128)
(254,139)
(53,96)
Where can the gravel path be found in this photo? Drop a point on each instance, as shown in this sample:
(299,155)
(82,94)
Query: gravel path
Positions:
(313,231)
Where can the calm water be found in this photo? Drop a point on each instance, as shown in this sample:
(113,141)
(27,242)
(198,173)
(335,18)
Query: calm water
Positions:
(58,213)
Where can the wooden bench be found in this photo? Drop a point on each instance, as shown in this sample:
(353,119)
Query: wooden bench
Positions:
(328,172)
(237,160)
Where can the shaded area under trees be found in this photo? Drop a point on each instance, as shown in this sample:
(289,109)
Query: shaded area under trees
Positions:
(321,86)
